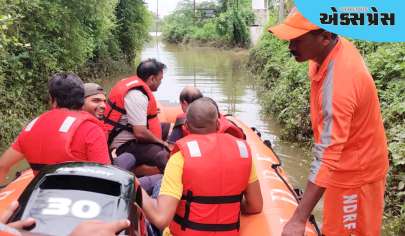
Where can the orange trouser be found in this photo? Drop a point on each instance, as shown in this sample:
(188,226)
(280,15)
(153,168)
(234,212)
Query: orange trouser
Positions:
(354,211)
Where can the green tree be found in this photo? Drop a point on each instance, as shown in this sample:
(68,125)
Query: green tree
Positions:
(41,37)
(132,17)
(229,27)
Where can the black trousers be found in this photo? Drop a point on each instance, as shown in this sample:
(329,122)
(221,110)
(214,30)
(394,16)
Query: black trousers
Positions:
(148,153)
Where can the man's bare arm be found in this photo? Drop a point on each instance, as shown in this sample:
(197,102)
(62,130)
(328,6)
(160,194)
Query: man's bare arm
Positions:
(7,160)
(252,202)
(160,211)
(296,225)
(311,197)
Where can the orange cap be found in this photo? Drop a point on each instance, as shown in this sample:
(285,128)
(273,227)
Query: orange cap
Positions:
(293,26)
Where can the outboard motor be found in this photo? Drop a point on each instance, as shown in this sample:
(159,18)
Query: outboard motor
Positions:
(62,196)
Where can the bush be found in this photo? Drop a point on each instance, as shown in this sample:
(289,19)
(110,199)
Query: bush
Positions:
(228,28)
(285,87)
(206,33)
(178,24)
(232,27)
(387,65)
(41,37)
(132,17)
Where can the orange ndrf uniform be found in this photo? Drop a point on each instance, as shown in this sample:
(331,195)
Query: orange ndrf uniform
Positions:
(210,203)
(351,159)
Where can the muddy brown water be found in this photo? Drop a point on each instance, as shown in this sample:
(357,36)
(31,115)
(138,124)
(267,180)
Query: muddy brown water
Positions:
(221,75)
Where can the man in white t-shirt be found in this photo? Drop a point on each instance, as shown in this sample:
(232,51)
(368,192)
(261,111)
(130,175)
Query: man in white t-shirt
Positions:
(131,113)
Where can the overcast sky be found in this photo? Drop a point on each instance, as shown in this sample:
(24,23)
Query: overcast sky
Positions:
(165,6)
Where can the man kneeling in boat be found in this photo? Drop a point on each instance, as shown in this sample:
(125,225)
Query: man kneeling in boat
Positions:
(65,133)
(208,182)
(187,96)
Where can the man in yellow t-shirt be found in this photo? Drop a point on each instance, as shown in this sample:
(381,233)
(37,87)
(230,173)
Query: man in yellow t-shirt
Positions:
(210,169)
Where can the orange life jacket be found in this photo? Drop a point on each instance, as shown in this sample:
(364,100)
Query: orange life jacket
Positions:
(115,107)
(47,139)
(225,126)
(215,174)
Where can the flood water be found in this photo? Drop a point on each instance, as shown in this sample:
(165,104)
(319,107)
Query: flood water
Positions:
(221,75)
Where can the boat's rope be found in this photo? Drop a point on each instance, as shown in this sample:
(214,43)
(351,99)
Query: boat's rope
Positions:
(275,167)
(297,198)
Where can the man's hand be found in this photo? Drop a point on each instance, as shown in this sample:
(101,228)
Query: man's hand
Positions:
(294,228)
(17,224)
(100,228)
(7,160)
(296,225)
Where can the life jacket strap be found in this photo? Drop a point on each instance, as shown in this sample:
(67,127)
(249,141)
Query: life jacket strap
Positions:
(115,107)
(213,199)
(127,127)
(151,116)
(118,128)
(184,222)
(205,227)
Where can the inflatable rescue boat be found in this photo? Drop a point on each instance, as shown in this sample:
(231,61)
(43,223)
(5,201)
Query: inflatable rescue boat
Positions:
(279,198)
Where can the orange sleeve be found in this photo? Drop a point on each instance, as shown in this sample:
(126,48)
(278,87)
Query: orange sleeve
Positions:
(334,112)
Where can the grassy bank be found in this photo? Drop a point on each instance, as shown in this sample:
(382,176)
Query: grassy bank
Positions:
(285,94)
(93,38)
(227,26)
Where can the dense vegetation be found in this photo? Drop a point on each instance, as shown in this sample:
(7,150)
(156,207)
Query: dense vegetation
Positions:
(285,93)
(40,37)
(227,27)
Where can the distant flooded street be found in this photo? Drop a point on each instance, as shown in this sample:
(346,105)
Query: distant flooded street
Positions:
(221,75)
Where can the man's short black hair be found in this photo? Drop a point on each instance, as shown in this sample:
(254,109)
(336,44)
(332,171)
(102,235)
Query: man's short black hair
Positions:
(149,67)
(67,90)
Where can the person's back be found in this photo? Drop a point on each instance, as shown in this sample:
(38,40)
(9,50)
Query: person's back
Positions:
(216,169)
(58,136)
(208,181)
(62,134)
